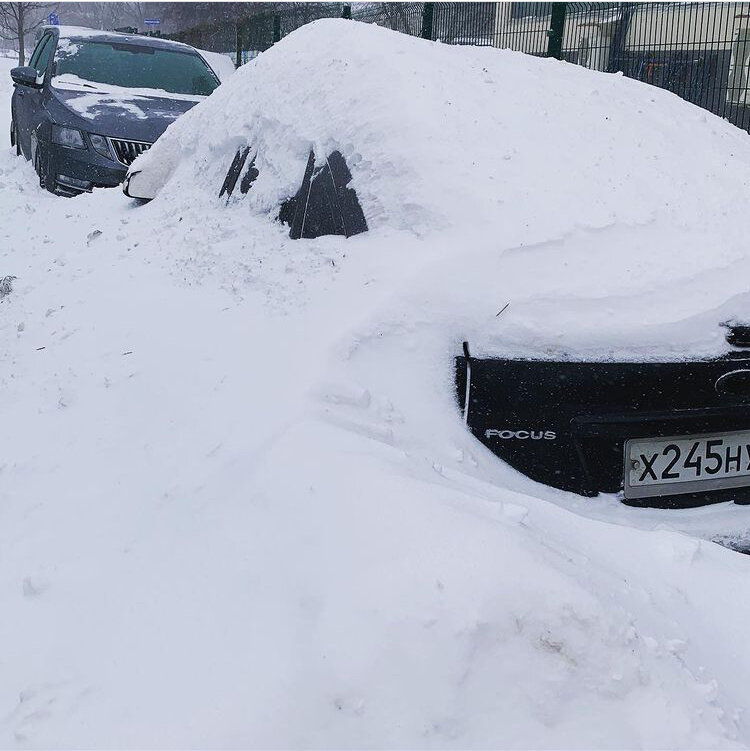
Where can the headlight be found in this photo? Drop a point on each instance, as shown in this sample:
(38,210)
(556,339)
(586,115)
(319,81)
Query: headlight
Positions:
(69,137)
(101,145)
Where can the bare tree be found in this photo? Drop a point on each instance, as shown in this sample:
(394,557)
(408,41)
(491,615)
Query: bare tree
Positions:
(138,12)
(106,15)
(19,19)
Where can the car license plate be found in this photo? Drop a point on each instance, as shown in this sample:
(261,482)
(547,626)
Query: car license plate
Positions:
(686,464)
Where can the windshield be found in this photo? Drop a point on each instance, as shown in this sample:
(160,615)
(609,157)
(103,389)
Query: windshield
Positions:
(135,66)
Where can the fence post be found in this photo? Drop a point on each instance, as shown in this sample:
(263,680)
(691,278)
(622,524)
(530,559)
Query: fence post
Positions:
(556,30)
(276,28)
(617,46)
(238,44)
(428,10)
(346,11)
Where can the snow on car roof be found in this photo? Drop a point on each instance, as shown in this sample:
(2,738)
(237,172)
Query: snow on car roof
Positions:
(81,32)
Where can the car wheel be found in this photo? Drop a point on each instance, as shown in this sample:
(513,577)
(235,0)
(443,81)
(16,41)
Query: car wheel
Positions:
(14,138)
(39,169)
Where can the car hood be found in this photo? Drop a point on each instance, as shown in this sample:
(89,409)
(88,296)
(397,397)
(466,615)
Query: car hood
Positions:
(134,114)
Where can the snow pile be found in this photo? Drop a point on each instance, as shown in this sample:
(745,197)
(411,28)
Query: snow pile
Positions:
(501,135)
(238,507)
(507,147)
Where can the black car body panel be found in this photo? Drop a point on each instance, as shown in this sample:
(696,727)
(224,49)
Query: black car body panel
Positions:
(565,423)
(136,124)
(111,119)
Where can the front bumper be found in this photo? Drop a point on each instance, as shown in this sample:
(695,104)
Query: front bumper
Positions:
(75,171)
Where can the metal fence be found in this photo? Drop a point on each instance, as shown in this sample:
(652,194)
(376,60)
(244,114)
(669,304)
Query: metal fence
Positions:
(699,51)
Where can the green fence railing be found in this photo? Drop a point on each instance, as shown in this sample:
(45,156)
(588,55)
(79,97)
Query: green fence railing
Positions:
(698,50)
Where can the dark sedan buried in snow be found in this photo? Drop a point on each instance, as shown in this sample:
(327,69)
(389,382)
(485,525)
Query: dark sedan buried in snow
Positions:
(89,102)
(621,366)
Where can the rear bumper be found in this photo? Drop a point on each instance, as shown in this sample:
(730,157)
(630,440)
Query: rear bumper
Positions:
(77,171)
(565,424)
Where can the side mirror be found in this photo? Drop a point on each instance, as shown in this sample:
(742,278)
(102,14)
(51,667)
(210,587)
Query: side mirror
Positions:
(27,76)
(137,185)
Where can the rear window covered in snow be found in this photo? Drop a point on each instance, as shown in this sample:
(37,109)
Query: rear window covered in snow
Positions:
(135,66)
(323,205)
(233,173)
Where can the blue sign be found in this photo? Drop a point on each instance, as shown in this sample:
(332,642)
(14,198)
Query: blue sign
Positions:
(152,21)
(53,19)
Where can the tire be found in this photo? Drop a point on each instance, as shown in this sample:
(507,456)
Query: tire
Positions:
(14,138)
(39,169)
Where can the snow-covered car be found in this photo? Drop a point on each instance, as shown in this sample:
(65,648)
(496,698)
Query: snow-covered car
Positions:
(644,393)
(90,101)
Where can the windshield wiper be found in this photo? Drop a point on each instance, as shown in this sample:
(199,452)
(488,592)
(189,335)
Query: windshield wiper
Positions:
(78,83)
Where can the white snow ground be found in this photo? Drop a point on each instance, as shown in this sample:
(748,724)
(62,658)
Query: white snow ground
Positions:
(238,507)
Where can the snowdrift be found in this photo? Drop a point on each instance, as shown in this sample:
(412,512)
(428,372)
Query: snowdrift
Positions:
(496,150)
(238,507)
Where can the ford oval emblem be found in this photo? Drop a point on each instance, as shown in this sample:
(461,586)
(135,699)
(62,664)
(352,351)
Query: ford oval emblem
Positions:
(734,384)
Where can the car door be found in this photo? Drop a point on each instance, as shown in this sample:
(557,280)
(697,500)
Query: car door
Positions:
(28,100)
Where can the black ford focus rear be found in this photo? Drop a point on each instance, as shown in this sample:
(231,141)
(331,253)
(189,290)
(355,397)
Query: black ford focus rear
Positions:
(669,434)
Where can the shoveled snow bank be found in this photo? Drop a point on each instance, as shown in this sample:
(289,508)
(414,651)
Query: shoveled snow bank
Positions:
(238,507)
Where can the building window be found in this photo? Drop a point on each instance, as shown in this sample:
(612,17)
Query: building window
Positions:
(530,10)
(738,86)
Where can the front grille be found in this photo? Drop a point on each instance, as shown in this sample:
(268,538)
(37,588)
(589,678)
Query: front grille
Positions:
(127,151)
